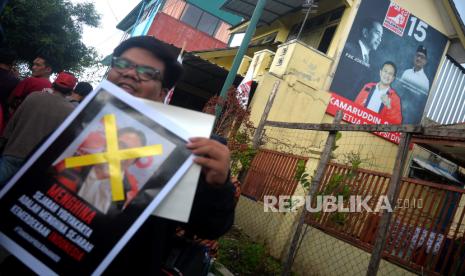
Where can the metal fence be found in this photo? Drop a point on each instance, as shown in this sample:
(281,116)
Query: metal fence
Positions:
(423,234)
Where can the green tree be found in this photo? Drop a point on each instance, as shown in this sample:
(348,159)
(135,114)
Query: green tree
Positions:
(52,28)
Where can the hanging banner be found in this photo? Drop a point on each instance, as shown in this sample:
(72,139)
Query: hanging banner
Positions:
(387,66)
(79,199)
(244,88)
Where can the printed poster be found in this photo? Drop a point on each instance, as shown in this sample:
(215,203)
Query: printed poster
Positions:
(386,68)
(85,192)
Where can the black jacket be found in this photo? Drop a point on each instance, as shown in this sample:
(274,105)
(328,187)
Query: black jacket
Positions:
(212,215)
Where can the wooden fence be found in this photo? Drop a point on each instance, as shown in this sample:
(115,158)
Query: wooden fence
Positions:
(271,173)
(427,229)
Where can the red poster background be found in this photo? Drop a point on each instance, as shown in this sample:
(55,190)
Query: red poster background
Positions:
(357,114)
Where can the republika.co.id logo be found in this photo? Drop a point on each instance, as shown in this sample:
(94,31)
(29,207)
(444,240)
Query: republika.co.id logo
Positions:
(330,203)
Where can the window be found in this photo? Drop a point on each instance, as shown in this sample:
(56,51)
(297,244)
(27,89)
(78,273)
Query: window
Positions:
(191,15)
(222,32)
(208,23)
(236,39)
(326,39)
(318,31)
(200,20)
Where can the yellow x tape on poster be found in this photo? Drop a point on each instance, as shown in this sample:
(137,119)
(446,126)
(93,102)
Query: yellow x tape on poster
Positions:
(113,156)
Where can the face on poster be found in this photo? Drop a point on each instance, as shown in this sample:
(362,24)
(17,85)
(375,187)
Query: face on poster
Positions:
(387,66)
(83,194)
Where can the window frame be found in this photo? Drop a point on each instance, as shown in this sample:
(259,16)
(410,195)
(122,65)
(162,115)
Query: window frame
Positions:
(218,22)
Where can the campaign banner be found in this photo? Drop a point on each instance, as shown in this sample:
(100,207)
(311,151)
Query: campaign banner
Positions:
(356,114)
(388,63)
(83,194)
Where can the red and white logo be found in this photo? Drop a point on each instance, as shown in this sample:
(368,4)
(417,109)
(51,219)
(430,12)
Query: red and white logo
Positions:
(396,19)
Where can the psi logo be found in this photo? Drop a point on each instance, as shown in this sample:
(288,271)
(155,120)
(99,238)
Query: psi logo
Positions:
(396,19)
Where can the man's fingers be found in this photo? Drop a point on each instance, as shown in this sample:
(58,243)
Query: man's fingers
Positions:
(199,142)
(211,151)
(203,150)
(213,157)
(196,139)
(209,148)
(209,163)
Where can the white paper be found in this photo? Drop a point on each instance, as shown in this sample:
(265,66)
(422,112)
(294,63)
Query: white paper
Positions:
(177,205)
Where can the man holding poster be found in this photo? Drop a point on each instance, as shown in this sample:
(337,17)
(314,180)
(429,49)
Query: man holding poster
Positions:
(213,211)
(128,241)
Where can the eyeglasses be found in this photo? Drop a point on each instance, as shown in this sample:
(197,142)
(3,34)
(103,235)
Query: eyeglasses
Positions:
(145,73)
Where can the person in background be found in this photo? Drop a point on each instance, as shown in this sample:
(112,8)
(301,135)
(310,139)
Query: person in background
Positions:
(40,79)
(35,119)
(8,81)
(81,90)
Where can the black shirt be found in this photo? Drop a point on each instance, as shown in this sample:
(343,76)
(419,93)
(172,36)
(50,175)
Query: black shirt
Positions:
(8,82)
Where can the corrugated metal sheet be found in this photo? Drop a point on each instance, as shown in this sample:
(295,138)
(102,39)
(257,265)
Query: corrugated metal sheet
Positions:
(447,103)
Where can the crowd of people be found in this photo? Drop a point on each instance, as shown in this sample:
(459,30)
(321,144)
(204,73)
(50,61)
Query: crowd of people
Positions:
(14,91)
(143,67)
(32,108)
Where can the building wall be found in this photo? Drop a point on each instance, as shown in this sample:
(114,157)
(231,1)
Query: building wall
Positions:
(300,98)
(195,40)
(175,9)
(272,229)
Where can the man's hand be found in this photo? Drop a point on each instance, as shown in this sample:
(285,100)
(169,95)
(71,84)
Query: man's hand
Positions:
(386,100)
(213,157)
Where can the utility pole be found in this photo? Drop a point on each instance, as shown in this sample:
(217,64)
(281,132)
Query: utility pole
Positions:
(240,53)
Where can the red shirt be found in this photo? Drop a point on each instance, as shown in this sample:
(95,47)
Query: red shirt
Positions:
(393,114)
(26,87)
(31,84)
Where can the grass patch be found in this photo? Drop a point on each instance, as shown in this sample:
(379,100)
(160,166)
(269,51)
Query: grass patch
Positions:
(242,256)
